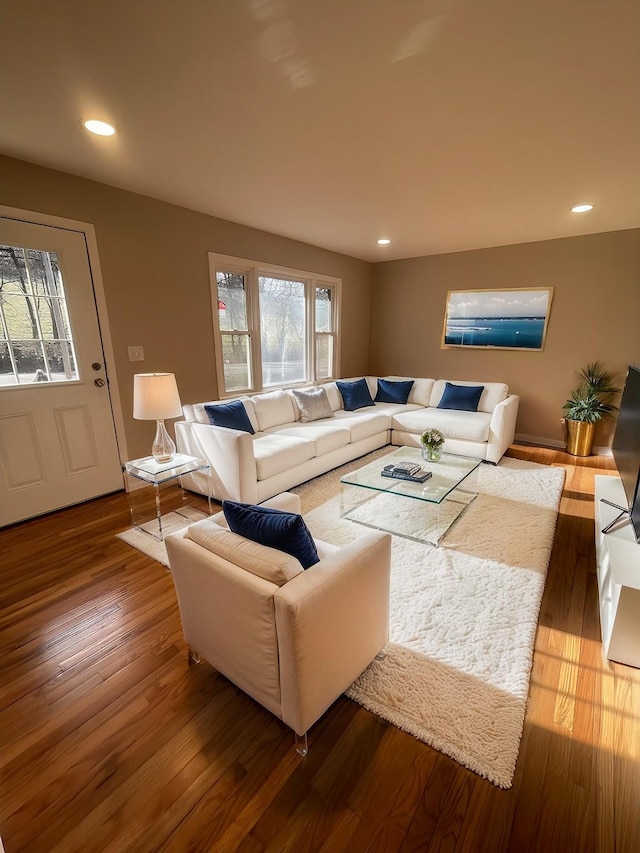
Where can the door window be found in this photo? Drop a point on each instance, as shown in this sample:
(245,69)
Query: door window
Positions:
(36,344)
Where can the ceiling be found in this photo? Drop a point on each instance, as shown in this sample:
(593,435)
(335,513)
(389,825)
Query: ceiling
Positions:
(443,125)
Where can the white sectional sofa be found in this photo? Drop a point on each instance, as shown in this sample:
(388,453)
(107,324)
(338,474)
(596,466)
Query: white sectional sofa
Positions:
(285,451)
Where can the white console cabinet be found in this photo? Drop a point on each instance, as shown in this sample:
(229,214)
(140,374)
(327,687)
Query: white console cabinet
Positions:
(618,559)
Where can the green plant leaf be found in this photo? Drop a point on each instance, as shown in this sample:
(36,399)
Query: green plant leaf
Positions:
(590,400)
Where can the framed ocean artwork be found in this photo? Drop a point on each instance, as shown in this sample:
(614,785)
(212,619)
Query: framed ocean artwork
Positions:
(497,319)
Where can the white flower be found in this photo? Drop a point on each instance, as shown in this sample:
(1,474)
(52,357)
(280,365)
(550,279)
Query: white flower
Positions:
(432,438)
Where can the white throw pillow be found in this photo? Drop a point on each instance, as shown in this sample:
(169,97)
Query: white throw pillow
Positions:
(273,408)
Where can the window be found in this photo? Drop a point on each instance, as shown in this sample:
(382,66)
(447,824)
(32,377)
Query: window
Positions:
(273,326)
(324,332)
(35,334)
(234,332)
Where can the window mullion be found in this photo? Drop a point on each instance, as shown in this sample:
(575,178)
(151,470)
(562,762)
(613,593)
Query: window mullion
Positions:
(253,309)
(336,312)
(34,299)
(217,331)
(310,298)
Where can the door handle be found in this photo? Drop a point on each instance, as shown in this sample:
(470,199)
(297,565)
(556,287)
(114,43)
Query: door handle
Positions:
(98,382)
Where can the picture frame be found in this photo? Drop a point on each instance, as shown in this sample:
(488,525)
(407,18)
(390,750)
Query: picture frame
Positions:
(513,319)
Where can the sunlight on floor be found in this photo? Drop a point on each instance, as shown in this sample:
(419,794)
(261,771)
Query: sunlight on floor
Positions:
(577,694)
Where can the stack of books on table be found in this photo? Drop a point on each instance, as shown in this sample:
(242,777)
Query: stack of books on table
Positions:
(406,471)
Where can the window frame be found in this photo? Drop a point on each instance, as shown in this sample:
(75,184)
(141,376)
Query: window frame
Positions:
(252,271)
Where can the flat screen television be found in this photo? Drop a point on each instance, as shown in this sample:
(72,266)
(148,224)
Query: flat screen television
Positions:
(626,446)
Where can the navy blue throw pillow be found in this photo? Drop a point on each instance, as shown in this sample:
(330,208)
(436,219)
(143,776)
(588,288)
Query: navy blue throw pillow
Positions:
(355,395)
(393,392)
(465,398)
(274,528)
(232,415)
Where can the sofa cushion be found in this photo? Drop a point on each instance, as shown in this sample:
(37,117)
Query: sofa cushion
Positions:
(494,393)
(313,404)
(326,435)
(274,528)
(393,392)
(364,424)
(271,564)
(232,415)
(463,398)
(355,395)
(334,396)
(277,453)
(273,408)
(391,409)
(468,426)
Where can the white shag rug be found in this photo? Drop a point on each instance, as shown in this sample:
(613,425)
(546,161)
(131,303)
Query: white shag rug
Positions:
(463,616)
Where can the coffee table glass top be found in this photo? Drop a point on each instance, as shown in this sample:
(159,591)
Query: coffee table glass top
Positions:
(446,475)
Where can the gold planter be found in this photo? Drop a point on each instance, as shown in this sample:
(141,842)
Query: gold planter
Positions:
(579,437)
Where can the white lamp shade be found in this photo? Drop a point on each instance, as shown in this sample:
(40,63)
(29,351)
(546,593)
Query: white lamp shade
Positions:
(155,397)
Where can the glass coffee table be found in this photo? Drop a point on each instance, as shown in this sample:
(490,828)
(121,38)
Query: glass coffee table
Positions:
(420,511)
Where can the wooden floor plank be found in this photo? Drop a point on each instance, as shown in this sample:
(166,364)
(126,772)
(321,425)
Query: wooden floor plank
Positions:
(109,741)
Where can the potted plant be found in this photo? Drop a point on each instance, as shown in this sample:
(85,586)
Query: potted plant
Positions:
(431,440)
(589,403)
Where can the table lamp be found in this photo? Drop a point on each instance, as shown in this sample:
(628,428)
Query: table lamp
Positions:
(155,397)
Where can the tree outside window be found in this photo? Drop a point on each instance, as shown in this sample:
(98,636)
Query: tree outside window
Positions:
(272,328)
(35,334)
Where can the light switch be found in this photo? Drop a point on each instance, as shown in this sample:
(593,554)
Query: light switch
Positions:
(136,353)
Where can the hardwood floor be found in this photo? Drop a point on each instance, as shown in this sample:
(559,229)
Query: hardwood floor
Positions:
(109,742)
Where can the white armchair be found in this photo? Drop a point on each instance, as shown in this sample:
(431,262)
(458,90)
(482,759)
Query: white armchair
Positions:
(294,640)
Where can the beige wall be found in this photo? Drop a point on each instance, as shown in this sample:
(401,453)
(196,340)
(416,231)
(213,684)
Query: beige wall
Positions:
(154,255)
(595,315)
(154,265)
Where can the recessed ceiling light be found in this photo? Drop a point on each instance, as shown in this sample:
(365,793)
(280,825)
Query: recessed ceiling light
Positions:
(383,242)
(581,208)
(101,128)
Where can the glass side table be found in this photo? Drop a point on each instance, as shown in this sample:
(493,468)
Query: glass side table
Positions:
(158,502)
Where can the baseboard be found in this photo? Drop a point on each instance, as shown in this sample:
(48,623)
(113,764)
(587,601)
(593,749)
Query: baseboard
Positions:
(540,441)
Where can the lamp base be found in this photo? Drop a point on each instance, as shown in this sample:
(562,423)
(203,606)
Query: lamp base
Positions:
(163,446)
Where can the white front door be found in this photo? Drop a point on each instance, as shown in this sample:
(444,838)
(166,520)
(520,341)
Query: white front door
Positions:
(57,436)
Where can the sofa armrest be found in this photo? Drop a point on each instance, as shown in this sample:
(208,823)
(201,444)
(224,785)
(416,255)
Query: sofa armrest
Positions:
(286,501)
(331,621)
(502,428)
(229,452)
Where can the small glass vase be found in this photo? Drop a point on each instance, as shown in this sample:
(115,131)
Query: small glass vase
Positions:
(431,453)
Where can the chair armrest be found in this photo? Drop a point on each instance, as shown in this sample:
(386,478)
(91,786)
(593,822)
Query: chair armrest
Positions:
(227,617)
(229,452)
(502,428)
(331,621)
